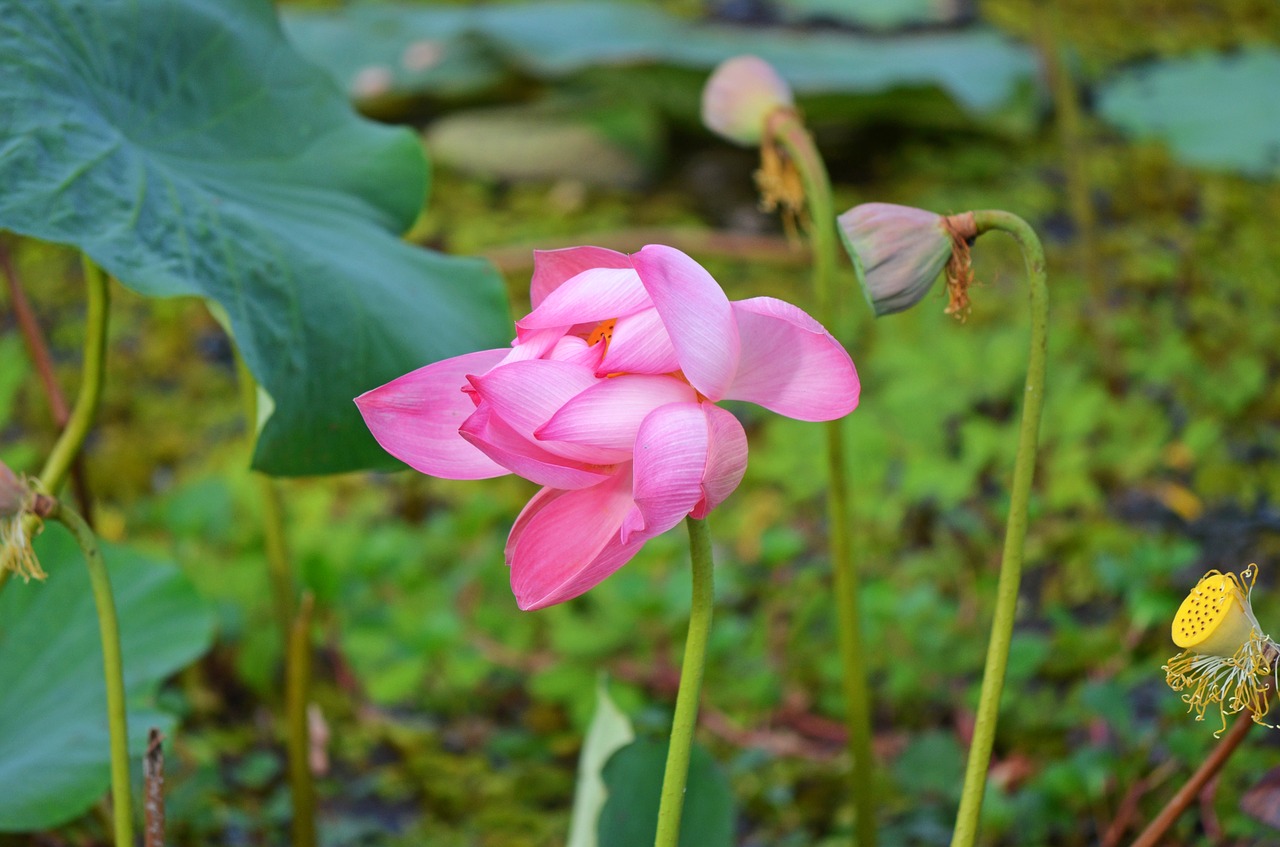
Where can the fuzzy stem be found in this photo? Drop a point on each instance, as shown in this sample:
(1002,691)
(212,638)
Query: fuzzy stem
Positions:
(975,776)
(112,667)
(297,689)
(790,132)
(695,658)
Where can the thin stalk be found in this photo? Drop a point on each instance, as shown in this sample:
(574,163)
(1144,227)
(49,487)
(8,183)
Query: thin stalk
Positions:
(38,349)
(92,370)
(795,139)
(676,775)
(92,375)
(297,688)
(279,568)
(975,776)
(112,665)
(1209,768)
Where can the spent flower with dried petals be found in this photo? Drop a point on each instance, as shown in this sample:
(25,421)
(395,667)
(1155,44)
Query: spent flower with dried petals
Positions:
(1227,662)
(16,500)
(607,398)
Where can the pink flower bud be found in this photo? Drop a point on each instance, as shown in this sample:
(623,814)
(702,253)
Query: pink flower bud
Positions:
(897,251)
(740,95)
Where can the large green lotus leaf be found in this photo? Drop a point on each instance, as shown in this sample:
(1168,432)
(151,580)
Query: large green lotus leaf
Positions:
(54,746)
(187,149)
(978,68)
(1219,111)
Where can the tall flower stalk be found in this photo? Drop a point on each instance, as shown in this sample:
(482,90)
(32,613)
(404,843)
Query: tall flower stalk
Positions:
(676,775)
(746,102)
(975,775)
(898,252)
(48,508)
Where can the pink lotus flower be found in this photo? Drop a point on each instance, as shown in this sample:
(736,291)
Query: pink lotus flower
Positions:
(607,398)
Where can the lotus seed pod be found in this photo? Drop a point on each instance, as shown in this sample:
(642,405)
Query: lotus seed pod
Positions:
(1215,618)
(897,252)
(739,97)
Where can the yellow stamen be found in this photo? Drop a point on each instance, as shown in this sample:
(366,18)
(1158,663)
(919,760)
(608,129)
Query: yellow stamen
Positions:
(602,332)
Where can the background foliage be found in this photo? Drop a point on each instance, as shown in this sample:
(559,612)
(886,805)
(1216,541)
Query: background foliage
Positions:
(456,720)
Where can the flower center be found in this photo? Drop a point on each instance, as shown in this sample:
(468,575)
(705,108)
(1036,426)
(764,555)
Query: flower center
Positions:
(602,332)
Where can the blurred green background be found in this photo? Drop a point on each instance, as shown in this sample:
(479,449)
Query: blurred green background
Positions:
(454,719)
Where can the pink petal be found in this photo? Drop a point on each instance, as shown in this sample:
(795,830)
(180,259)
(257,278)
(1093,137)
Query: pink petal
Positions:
(552,267)
(565,543)
(526,394)
(609,413)
(417,416)
(640,345)
(726,459)
(696,314)
(672,449)
(536,344)
(504,445)
(577,351)
(790,364)
(598,294)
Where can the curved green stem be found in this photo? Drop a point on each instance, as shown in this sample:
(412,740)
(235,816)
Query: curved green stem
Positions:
(795,139)
(112,667)
(695,658)
(975,776)
(92,370)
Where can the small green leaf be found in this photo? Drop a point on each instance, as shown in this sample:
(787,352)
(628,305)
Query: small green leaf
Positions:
(54,756)
(610,730)
(633,778)
(187,149)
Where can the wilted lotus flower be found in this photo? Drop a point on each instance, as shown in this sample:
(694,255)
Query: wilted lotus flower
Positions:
(739,97)
(898,251)
(607,399)
(1226,658)
(15,544)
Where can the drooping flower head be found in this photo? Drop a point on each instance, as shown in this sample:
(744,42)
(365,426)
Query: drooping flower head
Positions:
(606,398)
(16,498)
(740,95)
(1226,658)
(898,252)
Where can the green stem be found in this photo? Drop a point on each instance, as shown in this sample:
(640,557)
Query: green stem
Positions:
(297,688)
(984,731)
(93,369)
(112,667)
(790,132)
(279,568)
(695,658)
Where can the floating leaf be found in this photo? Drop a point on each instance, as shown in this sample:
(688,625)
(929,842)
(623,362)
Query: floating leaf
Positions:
(187,149)
(633,778)
(54,745)
(610,730)
(978,68)
(1220,111)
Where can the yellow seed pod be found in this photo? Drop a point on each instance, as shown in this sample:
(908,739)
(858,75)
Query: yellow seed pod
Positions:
(1214,619)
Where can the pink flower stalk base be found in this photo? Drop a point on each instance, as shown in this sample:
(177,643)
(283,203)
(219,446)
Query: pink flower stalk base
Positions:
(607,398)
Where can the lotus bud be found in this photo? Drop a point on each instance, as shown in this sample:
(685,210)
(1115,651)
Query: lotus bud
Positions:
(1226,658)
(897,252)
(16,500)
(739,97)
